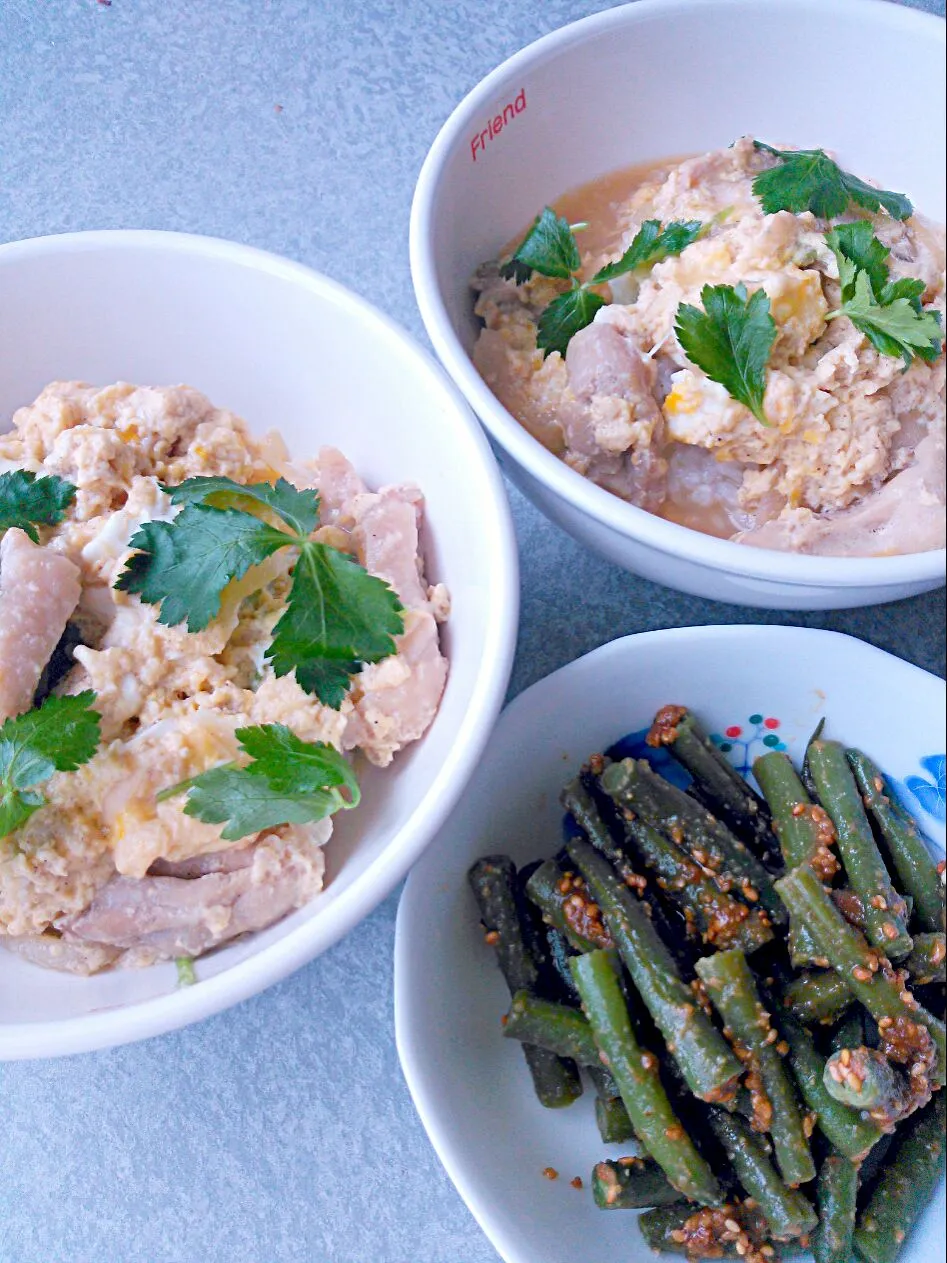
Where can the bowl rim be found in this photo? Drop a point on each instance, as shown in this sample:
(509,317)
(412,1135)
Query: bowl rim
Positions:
(411,1028)
(592,501)
(142,1019)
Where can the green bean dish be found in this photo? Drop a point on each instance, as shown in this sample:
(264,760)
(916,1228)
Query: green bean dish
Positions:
(753,985)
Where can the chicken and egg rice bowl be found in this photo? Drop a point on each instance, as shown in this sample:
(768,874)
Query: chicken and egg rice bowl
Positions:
(748,342)
(203,684)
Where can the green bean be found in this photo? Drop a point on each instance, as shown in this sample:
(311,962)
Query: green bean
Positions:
(706,1062)
(492,879)
(734,1231)
(641,791)
(912,861)
(805,832)
(851,1133)
(566,1032)
(785,1209)
(884,909)
(721,919)
(732,989)
(577,800)
(552,1026)
(819,996)
(836,1194)
(850,1032)
(865,1079)
(906,1185)
(631,1184)
(549,888)
(927,960)
(614,1125)
(606,1089)
(636,1073)
(867,975)
(843,1127)
(613,841)
(722,789)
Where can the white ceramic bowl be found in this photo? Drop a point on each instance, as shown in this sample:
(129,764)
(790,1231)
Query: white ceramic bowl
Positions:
(471,1086)
(639,83)
(285,348)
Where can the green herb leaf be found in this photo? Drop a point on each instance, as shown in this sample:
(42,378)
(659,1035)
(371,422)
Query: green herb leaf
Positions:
(731,340)
(856,247)
(808,179)
(549,248)
(338,616)
(651,244)
(298,509)
(888,313)
(27,501)
(183,566)
(59,736)
(288,781)
(564,317)
(895,326)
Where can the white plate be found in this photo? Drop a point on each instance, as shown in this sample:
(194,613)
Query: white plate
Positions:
(471,1086)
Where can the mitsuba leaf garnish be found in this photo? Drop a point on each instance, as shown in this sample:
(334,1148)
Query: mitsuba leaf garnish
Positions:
(287,781)
(338,616)
(550,248)
(731,340)
(27,501)
(651,244)
(809,180)
(58,736)
(856,248)
(565,316)
(888,313)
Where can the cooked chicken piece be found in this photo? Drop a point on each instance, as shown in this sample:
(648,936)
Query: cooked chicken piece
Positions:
(178,916)
(336,480)
(386,536)
(617,416)
(51,951)
(39,590)
(396,699)
(229,861)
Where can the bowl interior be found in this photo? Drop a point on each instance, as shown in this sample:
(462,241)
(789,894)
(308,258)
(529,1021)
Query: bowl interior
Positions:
(471,1086)
(285,349)
(651,81)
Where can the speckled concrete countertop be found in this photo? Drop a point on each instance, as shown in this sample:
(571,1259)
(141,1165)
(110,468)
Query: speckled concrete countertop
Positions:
(282,1131)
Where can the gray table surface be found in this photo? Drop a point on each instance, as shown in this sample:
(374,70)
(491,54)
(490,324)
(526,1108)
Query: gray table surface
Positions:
(281,1131)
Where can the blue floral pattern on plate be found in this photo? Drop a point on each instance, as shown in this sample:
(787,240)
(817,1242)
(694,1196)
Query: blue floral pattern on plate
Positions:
(930,791)
(741,743)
